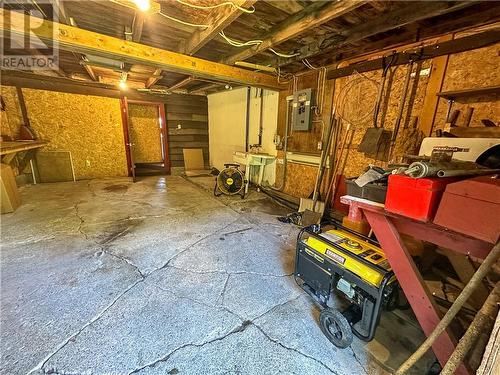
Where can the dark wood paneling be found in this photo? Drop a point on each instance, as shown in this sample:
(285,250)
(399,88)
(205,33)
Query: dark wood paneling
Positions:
(191,113)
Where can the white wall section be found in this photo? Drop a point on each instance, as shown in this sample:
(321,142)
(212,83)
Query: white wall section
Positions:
(227,125)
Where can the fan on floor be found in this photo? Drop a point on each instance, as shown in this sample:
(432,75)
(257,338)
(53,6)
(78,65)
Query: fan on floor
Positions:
(230,181)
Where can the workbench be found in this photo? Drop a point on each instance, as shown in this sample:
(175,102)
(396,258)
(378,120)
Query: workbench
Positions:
(387,228)
(9,150)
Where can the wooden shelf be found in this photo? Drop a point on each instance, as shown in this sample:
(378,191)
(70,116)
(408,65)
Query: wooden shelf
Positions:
(10,147)
(468,93)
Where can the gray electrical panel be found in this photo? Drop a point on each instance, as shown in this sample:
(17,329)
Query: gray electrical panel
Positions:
(301,109)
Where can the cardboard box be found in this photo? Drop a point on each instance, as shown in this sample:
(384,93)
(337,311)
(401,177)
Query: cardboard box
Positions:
(10,199)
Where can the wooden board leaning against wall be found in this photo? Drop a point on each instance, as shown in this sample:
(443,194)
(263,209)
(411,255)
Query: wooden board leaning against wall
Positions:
(354,97)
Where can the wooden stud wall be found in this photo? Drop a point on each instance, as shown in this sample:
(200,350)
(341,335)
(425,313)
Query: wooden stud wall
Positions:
(467,70)
(191,113)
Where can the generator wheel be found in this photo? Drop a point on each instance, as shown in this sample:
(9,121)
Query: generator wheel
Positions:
(336,327)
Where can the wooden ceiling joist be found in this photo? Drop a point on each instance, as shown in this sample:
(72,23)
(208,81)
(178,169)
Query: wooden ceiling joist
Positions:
(413,12)
(312,16)
(64,17)
(84,41)
(154,78)
(205,88)
(466,43)
(137,26)
(40,82)
(182,83)
(218,19)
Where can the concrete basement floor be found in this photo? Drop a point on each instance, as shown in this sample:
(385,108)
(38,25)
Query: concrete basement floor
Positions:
(159,277)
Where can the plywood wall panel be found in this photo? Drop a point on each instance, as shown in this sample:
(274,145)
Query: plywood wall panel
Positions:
(467,70)
(90,127)
(144,133)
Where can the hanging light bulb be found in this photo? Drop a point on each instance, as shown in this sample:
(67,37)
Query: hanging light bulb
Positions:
(123,80)
(143,5)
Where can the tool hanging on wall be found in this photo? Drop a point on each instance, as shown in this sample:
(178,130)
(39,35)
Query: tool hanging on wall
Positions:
(314,204)
(401,107)
(376,141)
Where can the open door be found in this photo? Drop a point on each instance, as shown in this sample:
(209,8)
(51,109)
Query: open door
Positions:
(146,138)
(128,144)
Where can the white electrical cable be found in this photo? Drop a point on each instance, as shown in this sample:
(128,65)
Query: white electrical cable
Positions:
(309,65)
(256,42)
(284,55)
(244,10)
(237,43)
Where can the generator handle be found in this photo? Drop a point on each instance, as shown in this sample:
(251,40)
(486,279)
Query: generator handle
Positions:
(338,225)
(314,231)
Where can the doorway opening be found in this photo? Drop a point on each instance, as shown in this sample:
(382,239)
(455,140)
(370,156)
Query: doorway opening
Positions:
(146,138)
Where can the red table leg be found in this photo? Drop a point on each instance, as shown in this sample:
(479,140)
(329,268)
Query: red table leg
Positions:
(412,284)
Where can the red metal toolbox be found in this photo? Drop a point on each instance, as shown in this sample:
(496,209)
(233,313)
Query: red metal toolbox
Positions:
(472,207)
(417,198)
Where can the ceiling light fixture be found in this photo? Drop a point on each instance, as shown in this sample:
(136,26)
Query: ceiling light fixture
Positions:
(122,84)
(143,5)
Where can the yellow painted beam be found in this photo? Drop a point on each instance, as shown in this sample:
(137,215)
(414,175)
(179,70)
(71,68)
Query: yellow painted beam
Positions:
(84,41)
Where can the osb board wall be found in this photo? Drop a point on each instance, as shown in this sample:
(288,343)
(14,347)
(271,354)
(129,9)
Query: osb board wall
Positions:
(187,121)
(90,127)
(300,179)
(12,118)
(300,141)
(355,107)
(354,98)
(469,70)
(144,133)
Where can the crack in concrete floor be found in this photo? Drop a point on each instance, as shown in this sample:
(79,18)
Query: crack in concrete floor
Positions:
(89,323)
(104,248)
(100,314)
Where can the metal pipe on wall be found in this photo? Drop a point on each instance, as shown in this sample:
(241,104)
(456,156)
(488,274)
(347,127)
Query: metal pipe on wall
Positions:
(261,118)
(247,123)
(285,144)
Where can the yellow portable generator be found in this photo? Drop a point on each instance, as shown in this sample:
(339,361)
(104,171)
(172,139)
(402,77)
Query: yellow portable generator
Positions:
(342,261)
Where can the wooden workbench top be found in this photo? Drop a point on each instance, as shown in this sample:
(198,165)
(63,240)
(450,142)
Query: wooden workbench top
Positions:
(10,147)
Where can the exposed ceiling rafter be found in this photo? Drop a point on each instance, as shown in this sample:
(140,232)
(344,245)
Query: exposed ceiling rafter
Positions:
(218,19)
(182,83)
(413,12)
(312,16)
(64,16)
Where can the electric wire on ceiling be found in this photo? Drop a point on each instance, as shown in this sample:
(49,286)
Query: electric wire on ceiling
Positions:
(244,10)
(239,44)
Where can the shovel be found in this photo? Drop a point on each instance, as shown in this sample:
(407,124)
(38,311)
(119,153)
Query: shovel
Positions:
(376,141)
(314,207)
